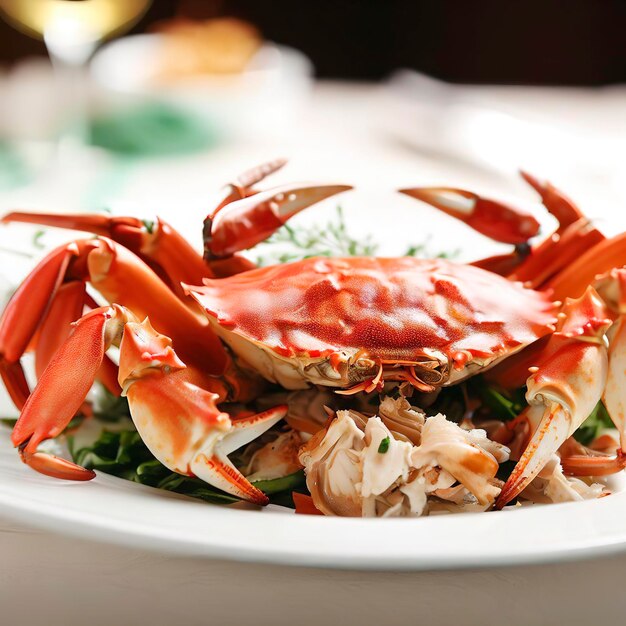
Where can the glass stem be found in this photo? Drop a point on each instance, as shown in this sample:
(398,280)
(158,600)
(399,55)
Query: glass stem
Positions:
(69,61)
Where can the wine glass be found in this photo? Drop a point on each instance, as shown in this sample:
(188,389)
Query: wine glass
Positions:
(72,30)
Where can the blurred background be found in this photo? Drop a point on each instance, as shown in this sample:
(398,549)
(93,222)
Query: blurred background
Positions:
(554,42)
(144,107)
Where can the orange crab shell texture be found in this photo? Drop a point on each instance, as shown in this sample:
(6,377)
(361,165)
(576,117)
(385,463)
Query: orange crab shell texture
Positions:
(392,308)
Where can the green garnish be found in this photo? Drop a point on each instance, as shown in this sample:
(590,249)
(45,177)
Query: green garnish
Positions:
(504,408)
(422,250)
(291,482)
(593,425)
(37,239)
(384,445)
(124,454)
(294,243)
(502,404)
(302,242)
(108,407)
(149,225)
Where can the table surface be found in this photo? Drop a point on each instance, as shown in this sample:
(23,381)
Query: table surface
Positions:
(61,581)
(342,135)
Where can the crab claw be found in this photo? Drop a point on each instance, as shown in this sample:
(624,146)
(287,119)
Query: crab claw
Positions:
(104,225)
(497,220)
(179,420)
(565,389)
(612,288)
(183,427)
(564,209)
(211,462)
(242,224)
(254,175)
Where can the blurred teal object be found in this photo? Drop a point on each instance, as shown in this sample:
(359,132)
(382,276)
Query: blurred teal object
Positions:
(153,129)
(13,170)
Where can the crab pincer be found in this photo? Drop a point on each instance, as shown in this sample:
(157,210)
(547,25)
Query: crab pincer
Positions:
(564,390)
(612,287)
(563,208)
(498,220)
(245,215)
(244,223)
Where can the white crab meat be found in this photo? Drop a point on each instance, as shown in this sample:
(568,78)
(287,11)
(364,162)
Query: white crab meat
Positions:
(364,467)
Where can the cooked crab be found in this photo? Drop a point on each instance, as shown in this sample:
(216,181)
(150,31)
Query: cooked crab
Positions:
(353,325)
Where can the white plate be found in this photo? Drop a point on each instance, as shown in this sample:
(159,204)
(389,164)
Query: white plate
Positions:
(114,510)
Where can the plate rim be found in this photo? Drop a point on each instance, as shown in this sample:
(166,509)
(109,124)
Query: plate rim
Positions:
(43,511)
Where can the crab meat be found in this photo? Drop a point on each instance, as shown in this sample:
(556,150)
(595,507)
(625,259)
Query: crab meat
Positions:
(275,459)
(357,467)
(551,485)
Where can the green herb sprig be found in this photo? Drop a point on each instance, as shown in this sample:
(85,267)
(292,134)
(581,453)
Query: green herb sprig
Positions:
(593,425)
(294,243)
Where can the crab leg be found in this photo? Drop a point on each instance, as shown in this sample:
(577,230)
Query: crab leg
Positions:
(562,207)
(15,382)
(502,264)
(66,306)
(123,278)
(574,235)
(23,315)
(564,390)
(603,257)
(556,253)
(242,186)
(157,243)
(45,300)
(61,391)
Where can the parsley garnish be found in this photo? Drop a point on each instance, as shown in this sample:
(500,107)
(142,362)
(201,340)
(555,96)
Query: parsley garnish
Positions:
(37,239)
(294,243)
(384,445)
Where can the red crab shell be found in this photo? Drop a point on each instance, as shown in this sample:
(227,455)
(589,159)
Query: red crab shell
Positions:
(391,308)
